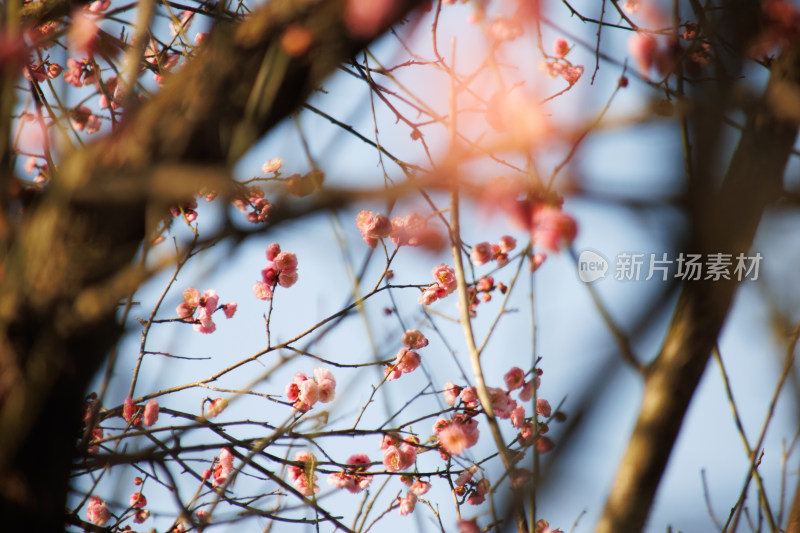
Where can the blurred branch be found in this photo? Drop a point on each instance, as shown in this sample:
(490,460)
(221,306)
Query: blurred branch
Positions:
(723,221)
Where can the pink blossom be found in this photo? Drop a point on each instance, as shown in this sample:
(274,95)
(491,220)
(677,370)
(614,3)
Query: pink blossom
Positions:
(128,409)
(551,69)
(551,227)
(373,227)
(544,444)
(478,495)
(481,253)
(407,360)
(223,467)
(262,290)
(414,339)
(98,6)
(502,404)
(466,476)
(150,413)
(419,487)
(304,482)
(457,437)
(272,166)
(96,511)
(82,33)
(140,515)
(468,526)
(429,295)
(644,48)
(287,278)
(451,392)
(342,480)
(560,47)
(273,250)
(286,261)
(632,6)
(507,243)
(543,407)
(518,416)
(215,407)
(326,390)
(572,74)
(138,500)
(407,503)
(469,396)
(536,261)
(229,309)
(399,458)
(366,18)
(358,460)
(504,29)
(514,378)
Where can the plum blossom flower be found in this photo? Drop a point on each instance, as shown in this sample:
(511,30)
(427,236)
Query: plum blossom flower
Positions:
(451,392)
(414,339)
(551,227)
(504,29)
(304,477)
(281,270)
(543,408)
(507,243)
(468,526)
(481,253)
(97,512)
(150,413)
(223,467)
(205,306)
(644,49)
(128,409)
(413,230)
(518,416)
(407,503)
(560,47)
(445,284)
(459,435)
(514,378)
(138,500)
(373,227)
(572,74)
(466,476)
(215,407)
(305,392)
(272,166)
(398,455)
(405,362)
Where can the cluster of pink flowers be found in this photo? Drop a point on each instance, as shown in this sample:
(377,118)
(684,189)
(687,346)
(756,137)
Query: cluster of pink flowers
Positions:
(482,291)
(186,209)
(445,284)
(399,454)
(354,478)
(410,230)
(205,305)
(457,434)
(416,488)
(407,360)
(504,29)
(474,490)
(483,252)
(96,511)
(304,477)
(550,227)
(305,392)
(559,65)
(82,119)
(137,503)
(253,204)
(280,270)
(149,415)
